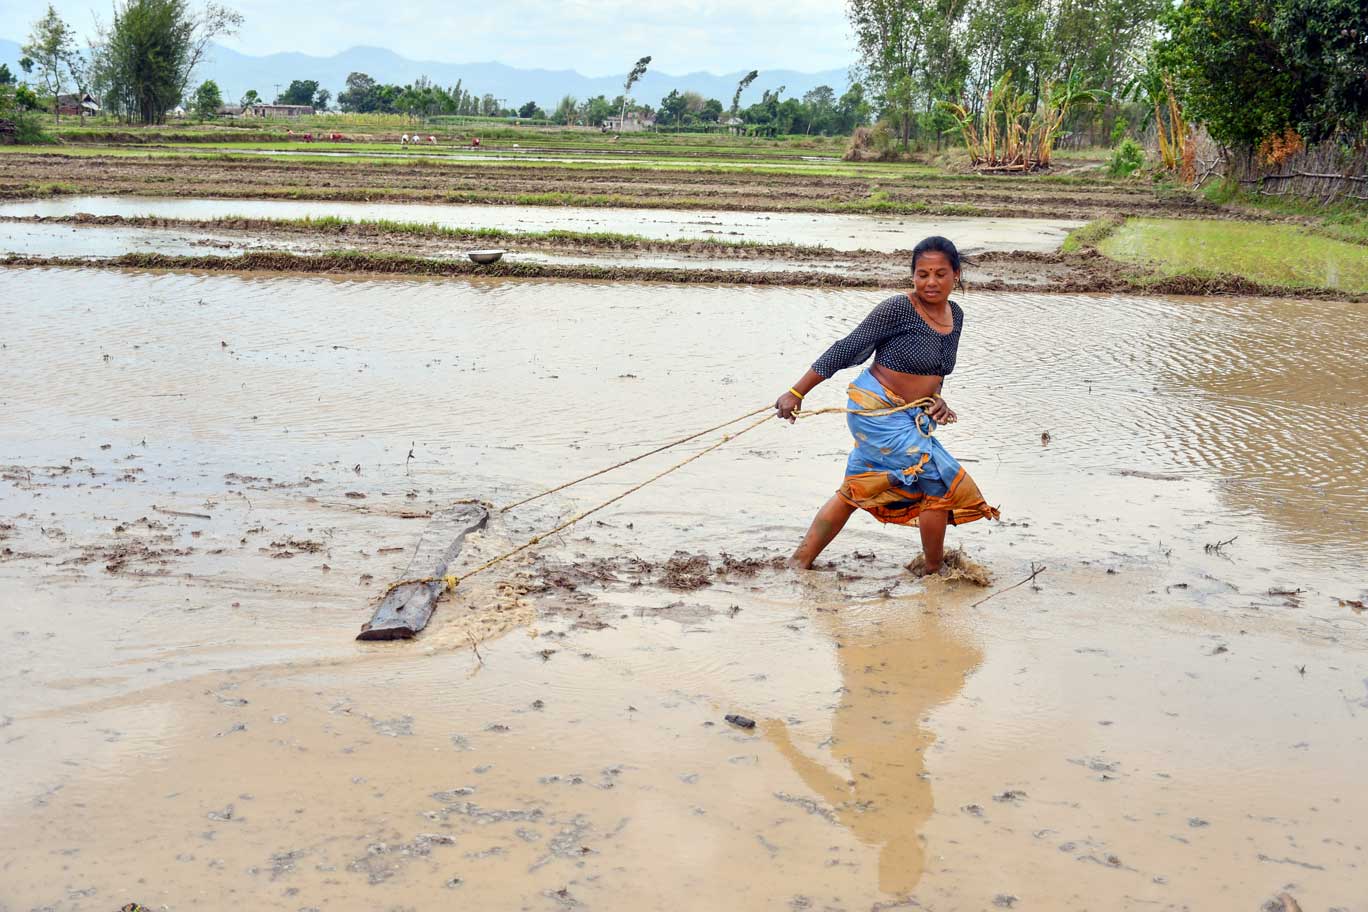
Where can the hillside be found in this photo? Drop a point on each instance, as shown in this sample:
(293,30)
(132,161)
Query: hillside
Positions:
(236,72)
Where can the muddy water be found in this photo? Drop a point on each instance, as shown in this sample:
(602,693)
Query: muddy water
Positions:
(186,721)
(94,242)
(842,232)
(689,261)
(36,239)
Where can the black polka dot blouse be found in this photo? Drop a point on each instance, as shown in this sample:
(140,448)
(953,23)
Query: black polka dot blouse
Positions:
(899,339)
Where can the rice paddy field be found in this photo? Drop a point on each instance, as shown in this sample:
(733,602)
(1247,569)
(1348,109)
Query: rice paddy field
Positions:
(247,380)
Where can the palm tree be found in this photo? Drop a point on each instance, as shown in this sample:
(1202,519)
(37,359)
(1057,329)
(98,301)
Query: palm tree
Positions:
(638,71)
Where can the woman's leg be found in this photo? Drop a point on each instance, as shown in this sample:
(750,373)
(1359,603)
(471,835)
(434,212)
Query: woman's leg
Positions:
(825,526)
(931,523)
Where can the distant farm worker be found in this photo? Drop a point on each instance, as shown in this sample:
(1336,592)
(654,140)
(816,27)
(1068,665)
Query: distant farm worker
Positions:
(403,140)
(433,140)
(898,470)
(475,143)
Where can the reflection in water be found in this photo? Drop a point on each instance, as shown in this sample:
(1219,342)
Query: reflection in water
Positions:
(1279,394)
(894,671)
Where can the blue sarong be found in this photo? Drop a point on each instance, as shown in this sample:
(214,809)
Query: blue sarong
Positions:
(898,468)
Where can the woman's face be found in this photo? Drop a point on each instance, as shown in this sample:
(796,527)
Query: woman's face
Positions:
(933,277)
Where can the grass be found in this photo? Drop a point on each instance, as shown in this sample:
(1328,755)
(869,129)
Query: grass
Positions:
(388,127)
(54,189)
(1287,256)
(307,154)
(1345,220)
(1091,234)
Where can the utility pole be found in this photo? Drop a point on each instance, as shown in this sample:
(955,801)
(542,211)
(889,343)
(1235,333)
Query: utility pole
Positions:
(276,100)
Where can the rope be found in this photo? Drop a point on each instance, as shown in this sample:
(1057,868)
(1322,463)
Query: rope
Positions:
(878,413)
(452,580)
(659,449)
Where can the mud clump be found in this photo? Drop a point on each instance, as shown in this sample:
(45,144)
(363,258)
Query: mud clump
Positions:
(686,572)
(748,566)
(288,547)
(134,555)
(955,566)
(682,571)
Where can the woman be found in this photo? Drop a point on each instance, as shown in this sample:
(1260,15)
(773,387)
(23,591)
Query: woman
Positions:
(898,471)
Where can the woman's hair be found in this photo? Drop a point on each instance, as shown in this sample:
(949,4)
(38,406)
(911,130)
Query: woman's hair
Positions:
(937,244)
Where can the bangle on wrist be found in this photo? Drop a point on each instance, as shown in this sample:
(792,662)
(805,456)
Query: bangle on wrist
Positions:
(796,393)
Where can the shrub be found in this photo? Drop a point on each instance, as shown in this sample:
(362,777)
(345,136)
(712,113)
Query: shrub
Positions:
(30,132)
(1126,159)
(15,109)
(872,144)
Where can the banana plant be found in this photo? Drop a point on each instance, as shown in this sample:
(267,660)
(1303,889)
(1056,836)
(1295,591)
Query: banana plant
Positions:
(1154,88)
(1056,101)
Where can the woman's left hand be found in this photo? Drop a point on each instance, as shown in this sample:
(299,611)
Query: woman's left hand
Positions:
(942,413)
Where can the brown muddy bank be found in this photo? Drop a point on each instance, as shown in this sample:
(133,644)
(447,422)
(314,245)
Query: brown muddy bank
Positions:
(458,182)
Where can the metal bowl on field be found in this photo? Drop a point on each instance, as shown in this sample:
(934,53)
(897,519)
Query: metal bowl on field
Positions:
(486,256)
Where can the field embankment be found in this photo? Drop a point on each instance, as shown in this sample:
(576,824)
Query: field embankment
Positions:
(1232,256)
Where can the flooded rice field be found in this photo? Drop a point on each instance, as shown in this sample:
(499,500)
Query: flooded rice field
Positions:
(101,242)
(840,232)
(205,482)
(50,239)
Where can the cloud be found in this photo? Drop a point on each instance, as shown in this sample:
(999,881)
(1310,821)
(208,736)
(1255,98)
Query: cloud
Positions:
(595,37)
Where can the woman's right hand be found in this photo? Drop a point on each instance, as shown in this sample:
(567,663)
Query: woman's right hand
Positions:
(786,405)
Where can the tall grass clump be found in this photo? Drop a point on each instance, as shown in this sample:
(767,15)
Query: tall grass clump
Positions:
(1126,158)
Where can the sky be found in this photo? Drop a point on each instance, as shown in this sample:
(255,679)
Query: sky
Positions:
(594,37)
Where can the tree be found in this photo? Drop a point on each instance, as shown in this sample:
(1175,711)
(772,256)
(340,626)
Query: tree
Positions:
(852,110)
(321,99)
(596,110)
(638,70)
(208,99)
(360,96)
(530,110)
(741,87)
(249,98)
(152,49)
(299,92)
(671,109)
(712,111)
(819,109)
(1250,69)
(890,35)
(566,111)
(1329,40)
(52,49)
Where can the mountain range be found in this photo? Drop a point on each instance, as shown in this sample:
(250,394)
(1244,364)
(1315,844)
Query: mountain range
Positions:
(236,72)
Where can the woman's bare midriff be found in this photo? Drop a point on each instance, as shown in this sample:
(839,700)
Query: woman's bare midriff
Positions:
(907,386)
